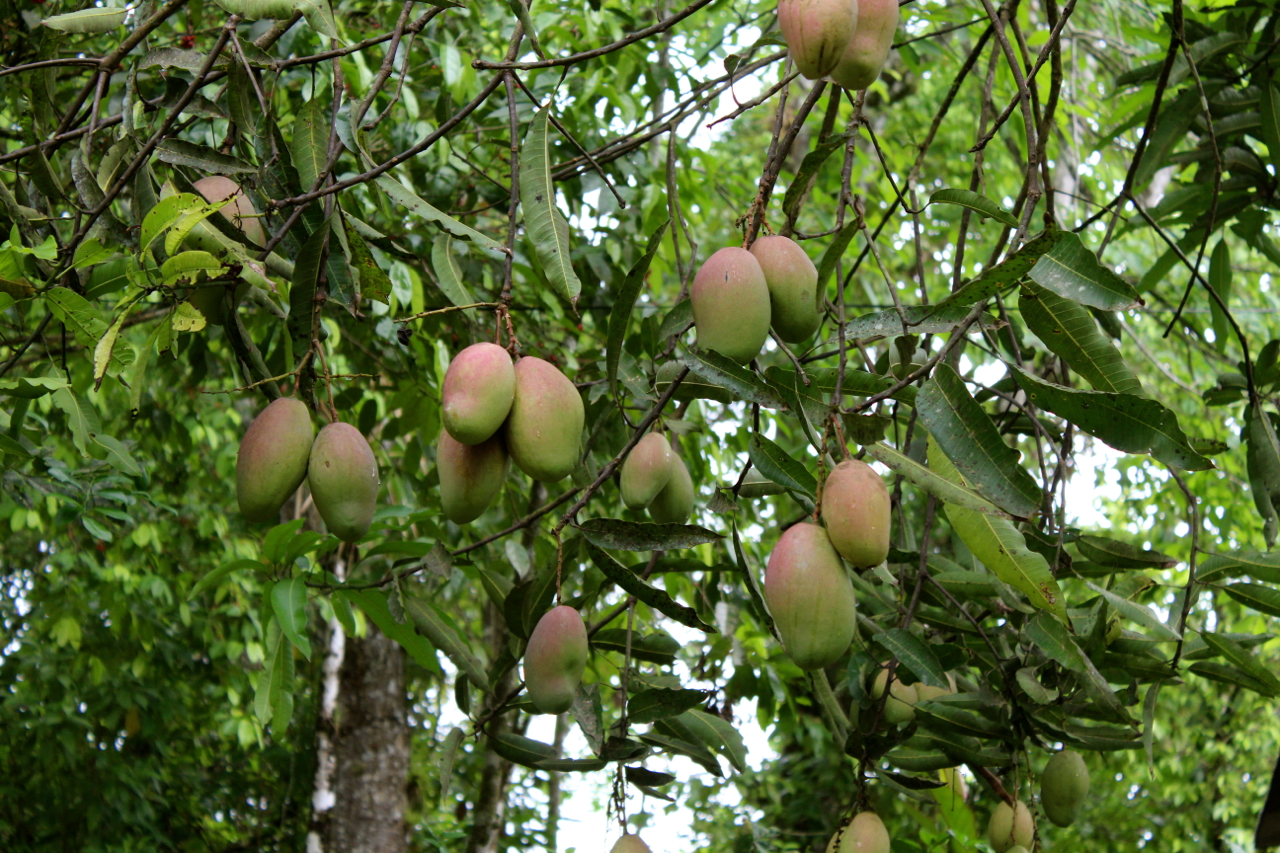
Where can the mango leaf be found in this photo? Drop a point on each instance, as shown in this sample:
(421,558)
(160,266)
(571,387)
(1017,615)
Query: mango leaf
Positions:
(402,195)
(427,620)
(915,654)
(649,706)
(920,320)
(588,712)
(1136,613)
(1071,270)
(1069,331)
(719,734)
(87,21)
(448,754)
(180,152)
(1126,422)
(655,598)
(827,264)
(289,601)
(1259,565)
(1227,674)
(310,143)
(971,441)
(1220,280)
(992,279)
(302,291)
(621,535)
(543,220)
(624,302)
(1263,599)
(727,373)
(808,171)
(215,576)
(659,647)
(941,488)
(1240,657)
(673,745)
(1269,115)
(82,419)
(448,273)
(1110,552)
(374,605)
(521,750)
(774,462)
(935,714)
(1053,639)
(976,202)
(1262,457)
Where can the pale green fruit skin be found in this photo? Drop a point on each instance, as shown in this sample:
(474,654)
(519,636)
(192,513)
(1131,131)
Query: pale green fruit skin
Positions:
(272,460)
(630,844)
(898,708)
(866,833)
(855,509)
(731,304)
(793,287)
(470,476)
(925,692)
(240,212)
(344,480)
(674,504)
(817,32)
(555,659)
(1009,828)
(646,471)
(866,52)
(1064,786)
(544,428)
(1017,848)
(810,596)
(477,393)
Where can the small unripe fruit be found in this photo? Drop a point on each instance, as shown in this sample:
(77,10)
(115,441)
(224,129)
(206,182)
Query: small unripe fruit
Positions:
(855,509)
(555,659)
(629,843)
(795,312)
(674,504)
(344,480)
(1064,785)
(477,392)
(646,471)
(898,708)
(865,53)
(730,301)
(1010,827)
(240,212)
(470,476)
(272,460)
(810,596)
(544,428)
(817,32)
(864,834)
(925,692)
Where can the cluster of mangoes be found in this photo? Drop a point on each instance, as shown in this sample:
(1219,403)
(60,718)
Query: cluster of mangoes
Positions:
(847,40)
(277,453)
(654,477)
(1064,786)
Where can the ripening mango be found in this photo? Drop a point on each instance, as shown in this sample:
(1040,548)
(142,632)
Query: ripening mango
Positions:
(817,32)
(555,659)
(810,596)
(674,504)
(795,307)
(272,460)
(344,480)
(1064,786)
(865,53)
(899,708)
(855,509)
(471,475)
(730,301)
(477,392)
(646,471)
(629,843)
(240,212)
(544,429)
(864,834)
(1011,826)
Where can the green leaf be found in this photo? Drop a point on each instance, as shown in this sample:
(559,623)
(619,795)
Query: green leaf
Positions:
(945,716)
(1263,599)
(989,282)
(1072,271)
(522,750)
(1136,613)
(1269,113)
(215,576)
(921,320)
(310,143)
(1069,331)
(1110,552)
(374,283)
(975,202)
(1240,657)
(31,387)
(659,647)
(448,273)
(448,754)
(1227,674)
(186,267)
(180,152)
(831,257)
(88,21)
(373,603)
(621,535)
(302,291)
(165,214)
(118,456)
(1001,547)
(648,706)
(572,765)
(915,654)
(941,488)
(1262,457)
(719,734)
(679,746)
(289,600)
(971,441)
(405,197)
(545,224)
(655,598)
(588,712)
(1053,639)
(808,171)
(773,462)
(1126,422)
(727,373)
(1220,280)
(81,418)
(623,304)
(428,621)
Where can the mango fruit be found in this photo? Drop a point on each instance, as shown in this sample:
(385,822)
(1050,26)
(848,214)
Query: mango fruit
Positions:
(646,471)
(866,833)
(1064,786)
(544,428)
(555,658)
(674,504)
(629,843)
(344,480)
(810,596)
(795,308)
(730,301)
(1011,826)
(925,692)
(855,509)
(817,32)
(240,212)
(272,460)
(471,475)
(865,53)
(477,392)
(899,708)
(211,301)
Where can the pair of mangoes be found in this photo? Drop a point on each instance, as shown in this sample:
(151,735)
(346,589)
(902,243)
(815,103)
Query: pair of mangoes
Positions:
(848,40)
(1064,786)
(528,412)
(738,294)
(277,453)
(900,707)
(655,478)
(806,586)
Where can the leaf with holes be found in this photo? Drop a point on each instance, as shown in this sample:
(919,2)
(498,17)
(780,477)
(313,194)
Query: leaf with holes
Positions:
(1072,270)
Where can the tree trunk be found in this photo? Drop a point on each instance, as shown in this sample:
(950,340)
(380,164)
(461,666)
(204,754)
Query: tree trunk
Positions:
(370,749)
